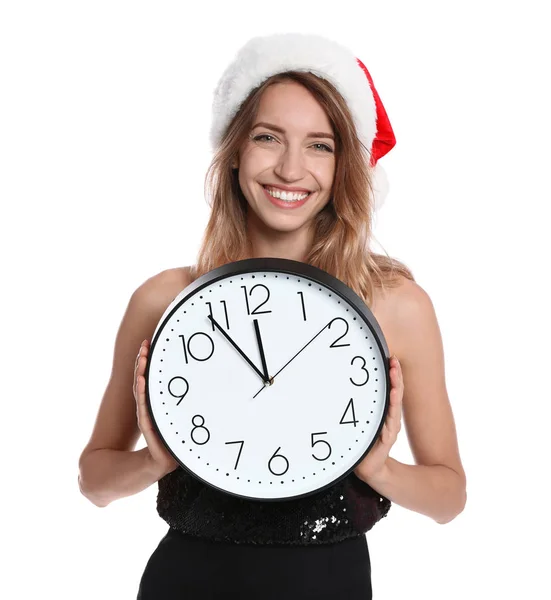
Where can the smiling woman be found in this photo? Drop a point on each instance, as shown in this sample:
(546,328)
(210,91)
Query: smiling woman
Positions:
(297,133)
(282,163)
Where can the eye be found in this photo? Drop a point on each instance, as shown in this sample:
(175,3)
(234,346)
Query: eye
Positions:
(262,136)
(325,147)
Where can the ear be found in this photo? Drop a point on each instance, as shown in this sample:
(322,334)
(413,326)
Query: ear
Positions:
(235,162)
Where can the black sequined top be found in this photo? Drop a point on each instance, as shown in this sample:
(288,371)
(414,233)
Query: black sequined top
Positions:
(345,510)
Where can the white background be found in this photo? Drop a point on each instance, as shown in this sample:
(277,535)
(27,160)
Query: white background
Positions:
(104,117)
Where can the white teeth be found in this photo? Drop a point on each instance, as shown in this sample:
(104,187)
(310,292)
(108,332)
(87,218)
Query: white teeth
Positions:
(287,196)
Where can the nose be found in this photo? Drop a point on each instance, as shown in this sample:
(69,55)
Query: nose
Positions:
(290,165)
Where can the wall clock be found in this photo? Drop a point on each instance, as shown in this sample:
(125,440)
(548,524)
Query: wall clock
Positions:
(268,379)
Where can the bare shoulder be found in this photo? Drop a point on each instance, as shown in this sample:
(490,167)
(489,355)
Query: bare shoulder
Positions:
(396,308)
(406,295)
(406,310)
(156,292)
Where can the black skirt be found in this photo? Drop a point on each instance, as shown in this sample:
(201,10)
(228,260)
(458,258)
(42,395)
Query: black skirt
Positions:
(183,567)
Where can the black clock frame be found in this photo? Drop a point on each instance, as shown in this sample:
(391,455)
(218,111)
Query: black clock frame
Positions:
(290,267)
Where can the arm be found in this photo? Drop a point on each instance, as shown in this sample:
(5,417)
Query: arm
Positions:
(436,485)
(436,491)
(109,467)
(113,474)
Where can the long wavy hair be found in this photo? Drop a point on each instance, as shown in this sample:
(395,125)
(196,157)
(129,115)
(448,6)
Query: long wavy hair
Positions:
(342,229)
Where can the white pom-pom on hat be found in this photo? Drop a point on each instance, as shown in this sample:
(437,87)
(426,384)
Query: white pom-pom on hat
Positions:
(262,57)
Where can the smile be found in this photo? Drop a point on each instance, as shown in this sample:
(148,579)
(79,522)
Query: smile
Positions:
(287,200)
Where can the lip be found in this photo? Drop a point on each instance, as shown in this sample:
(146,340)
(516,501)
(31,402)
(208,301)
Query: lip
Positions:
(286,205)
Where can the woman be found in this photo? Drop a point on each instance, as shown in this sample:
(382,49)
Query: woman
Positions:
(298,129)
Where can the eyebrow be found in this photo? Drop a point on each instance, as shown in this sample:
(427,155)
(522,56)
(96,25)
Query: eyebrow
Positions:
(312,134)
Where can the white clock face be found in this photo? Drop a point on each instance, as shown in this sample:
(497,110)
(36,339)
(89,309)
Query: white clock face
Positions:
(226,423)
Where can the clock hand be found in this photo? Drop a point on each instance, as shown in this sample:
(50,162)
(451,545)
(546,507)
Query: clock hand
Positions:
(237,348)
(260,347)
(293,358)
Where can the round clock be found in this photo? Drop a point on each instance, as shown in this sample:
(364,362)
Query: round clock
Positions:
(268,379)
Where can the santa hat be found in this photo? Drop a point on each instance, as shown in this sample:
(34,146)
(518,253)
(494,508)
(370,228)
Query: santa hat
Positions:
(262,57)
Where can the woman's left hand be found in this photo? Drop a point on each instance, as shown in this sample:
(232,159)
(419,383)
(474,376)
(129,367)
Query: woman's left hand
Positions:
(373,465)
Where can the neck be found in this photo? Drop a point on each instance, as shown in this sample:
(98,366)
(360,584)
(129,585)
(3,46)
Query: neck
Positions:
(266,242)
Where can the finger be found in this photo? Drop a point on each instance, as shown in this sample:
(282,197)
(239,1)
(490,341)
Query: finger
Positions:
(396,378)
(142,360)
(143,352)
(138,358)
(144,347)
(393,417)
(140,405)
(396,421)
(140,370)
(143,415)
(399,374)
(142,363)
(395,407)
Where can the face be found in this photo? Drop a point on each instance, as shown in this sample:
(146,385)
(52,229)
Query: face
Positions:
(290,153)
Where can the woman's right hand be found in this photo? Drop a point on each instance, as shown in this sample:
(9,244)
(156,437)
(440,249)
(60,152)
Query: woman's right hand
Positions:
(161,458)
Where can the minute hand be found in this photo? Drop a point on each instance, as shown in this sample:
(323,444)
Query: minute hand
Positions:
(324,327)
(237,348)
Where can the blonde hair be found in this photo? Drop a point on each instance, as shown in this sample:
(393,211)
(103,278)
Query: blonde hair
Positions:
(342,229)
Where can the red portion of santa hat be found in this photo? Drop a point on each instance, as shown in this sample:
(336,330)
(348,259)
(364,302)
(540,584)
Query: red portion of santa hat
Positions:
(384,140)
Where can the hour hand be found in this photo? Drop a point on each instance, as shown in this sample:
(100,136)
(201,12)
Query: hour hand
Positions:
(265,380)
